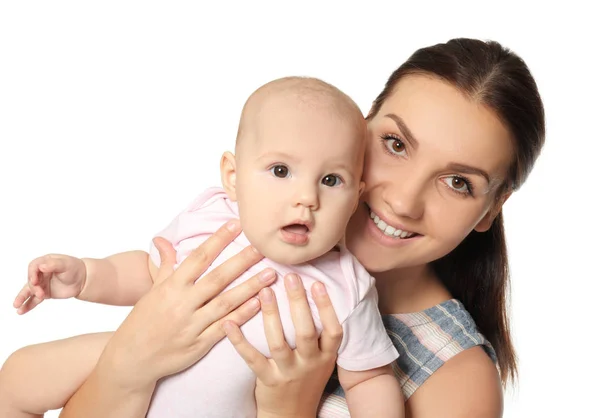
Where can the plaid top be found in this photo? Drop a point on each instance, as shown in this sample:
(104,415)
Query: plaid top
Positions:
(425,341)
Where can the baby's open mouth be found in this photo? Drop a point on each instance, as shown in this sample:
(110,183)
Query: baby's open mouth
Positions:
(296,229)
(297,232)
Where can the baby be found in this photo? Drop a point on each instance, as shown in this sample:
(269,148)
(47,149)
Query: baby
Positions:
(294,182)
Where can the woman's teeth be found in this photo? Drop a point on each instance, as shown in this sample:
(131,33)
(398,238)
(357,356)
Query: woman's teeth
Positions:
(389,230)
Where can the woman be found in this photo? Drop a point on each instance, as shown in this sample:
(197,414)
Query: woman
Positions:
(455,131)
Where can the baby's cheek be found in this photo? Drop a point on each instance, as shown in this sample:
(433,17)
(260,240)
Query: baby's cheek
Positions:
(336,228)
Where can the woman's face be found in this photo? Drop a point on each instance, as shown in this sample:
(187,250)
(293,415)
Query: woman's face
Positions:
(435,162)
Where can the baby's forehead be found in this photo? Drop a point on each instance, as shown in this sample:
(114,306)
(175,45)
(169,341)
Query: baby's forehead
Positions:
(306,99)
(301,106)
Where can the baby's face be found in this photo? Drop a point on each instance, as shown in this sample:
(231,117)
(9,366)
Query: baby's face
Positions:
(298,180)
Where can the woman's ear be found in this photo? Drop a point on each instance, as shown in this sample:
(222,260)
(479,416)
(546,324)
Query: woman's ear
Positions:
(486,222)
(228,174)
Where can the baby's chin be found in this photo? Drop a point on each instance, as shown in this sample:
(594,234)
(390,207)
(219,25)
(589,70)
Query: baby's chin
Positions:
(292,255)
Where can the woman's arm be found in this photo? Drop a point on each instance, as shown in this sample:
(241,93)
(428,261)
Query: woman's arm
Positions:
(291,383)
(467,385)
(170,328)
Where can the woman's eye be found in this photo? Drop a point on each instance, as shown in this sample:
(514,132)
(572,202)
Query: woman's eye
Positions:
(394,145)
(280,171)
(458,184)
(331,180)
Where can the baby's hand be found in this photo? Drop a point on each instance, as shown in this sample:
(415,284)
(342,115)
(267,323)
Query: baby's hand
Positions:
(53,276)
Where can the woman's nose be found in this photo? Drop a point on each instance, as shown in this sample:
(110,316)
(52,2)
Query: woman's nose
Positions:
(405,198)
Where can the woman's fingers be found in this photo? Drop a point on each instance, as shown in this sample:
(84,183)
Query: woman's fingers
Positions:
(307,339)
(168,258)
(258,363)
(331,337)
(201,257)
(215,332)
(278,346)
(226,302)
(221,276)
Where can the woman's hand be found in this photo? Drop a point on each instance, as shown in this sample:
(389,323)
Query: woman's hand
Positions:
(172,326)
(177,323)
(292,381)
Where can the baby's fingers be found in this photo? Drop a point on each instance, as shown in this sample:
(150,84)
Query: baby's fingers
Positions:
(22,296)
(31,303)
(33,270)
(45,266)
(40,286)
(52,265)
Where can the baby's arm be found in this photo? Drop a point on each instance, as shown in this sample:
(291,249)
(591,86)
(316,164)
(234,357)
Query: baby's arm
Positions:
(366,356)
(372,393)
(120,279)
(43,377)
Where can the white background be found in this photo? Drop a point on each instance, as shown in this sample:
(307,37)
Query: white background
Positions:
(114,114)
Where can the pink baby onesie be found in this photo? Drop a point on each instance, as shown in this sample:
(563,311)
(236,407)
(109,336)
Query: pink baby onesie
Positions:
(221,384)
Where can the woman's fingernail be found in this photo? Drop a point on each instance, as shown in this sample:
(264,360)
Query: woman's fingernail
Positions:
(255,250)
(292,281)
(266,295)
(254,303)
(233,225)
(320,289)
(267,275)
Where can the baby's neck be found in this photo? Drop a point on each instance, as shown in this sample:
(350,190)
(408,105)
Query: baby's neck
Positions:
(409,290)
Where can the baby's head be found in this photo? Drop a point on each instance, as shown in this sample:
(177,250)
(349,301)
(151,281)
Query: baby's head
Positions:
(297,170)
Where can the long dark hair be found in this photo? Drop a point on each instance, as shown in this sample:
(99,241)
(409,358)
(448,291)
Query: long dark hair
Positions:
(476,272)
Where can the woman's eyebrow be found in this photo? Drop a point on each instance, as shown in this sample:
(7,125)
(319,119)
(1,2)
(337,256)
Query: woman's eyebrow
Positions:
(468,170)
(410,138)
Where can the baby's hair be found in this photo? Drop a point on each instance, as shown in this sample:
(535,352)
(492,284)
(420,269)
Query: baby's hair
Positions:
(308,91)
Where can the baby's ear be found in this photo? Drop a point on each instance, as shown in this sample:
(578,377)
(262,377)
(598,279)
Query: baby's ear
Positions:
(361,188)
(228,174)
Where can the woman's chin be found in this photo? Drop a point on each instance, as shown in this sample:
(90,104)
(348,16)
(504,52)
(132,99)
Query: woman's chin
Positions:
(368,253)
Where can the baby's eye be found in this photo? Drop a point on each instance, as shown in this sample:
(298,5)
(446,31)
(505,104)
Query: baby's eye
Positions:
(280,171)
(331,180)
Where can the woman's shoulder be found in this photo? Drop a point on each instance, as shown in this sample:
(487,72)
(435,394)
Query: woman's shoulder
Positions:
(444,356)
(468,384)
(430,338)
